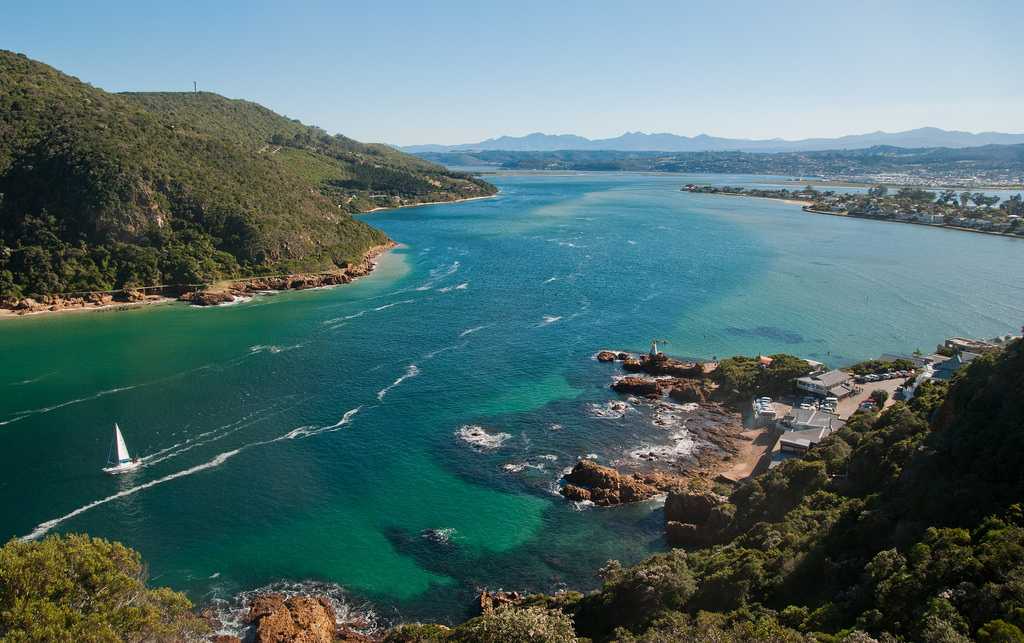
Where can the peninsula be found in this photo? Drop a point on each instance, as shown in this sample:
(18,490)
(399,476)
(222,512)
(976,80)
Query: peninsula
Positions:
(117,197)
(971,211)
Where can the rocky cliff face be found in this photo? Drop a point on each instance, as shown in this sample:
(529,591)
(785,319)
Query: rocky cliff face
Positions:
(695,518)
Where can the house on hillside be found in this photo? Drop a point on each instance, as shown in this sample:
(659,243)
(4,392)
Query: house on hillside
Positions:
(834,383)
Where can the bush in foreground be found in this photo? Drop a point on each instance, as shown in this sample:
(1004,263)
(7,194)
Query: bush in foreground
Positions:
(78,588)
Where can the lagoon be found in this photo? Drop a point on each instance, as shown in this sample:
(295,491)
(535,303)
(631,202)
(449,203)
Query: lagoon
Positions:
(313,436)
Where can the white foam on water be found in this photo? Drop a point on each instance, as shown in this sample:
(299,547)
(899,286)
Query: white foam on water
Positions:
(233,302)
(423,288)
(311,430)
(476,436)
(445,289)
(435,353)
(206,437)
(682,444)
(519,467)
(393,304)
(462,286)
(445,271)
(231,612)
(611,410)
(218,460)
(550,279)
(549,319)
(470,331)
(32,380)
(631,242)
(410,371)
(21,415)
(443,535)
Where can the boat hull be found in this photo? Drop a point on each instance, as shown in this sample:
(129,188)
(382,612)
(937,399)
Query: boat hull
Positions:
(122,468)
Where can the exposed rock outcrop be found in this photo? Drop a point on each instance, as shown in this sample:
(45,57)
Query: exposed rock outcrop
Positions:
(632,385)
(207,298)
(606,356)
(299,619)
(605,486)
(695,518)
(490,601)
(688,390)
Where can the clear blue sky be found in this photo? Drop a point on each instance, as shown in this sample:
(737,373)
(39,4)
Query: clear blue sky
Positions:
(452,72)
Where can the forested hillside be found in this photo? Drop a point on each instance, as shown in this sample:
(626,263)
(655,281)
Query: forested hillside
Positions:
(101,191)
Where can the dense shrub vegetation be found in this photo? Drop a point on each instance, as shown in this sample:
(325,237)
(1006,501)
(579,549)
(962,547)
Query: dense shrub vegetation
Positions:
(906,525)
(745,377)
(101,191)
(77,588)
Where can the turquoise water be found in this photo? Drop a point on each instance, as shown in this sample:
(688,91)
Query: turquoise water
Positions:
(312,435)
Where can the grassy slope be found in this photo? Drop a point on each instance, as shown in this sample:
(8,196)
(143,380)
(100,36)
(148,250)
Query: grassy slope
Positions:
(102,190)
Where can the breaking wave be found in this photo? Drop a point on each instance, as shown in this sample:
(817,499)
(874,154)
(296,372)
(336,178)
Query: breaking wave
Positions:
(231,612)
(476,436)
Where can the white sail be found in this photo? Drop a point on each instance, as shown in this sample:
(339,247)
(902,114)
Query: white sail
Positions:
(122,448)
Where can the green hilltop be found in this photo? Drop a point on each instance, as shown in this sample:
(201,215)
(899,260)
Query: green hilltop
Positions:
(101,191)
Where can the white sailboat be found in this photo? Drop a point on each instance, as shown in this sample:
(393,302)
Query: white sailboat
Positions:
(119,460)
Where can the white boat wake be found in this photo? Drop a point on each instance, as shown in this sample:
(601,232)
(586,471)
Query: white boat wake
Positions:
(410,371)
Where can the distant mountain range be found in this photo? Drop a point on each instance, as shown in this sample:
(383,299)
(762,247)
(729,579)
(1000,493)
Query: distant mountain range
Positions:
(639,141)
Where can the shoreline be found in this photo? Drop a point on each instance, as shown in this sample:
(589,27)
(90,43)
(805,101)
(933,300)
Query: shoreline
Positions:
(839,183)
(806,207)
(847,215)
(417,205)
(220,290)
(799,202)
(682,399)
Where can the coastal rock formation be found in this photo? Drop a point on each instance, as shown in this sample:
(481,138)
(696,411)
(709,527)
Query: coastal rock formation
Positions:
(490,601)
(637,386)
(207,298)
(605,486)
(53,303)
(632,364)
(688,390)
(695,518)
(299,619)
(606,356)
(210,297)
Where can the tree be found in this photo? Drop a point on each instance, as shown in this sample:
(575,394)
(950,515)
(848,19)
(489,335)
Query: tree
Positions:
(517,625)
(879,396)
(78,588)
(1014,205)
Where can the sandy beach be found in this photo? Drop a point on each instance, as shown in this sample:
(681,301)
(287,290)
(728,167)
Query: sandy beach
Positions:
(417,205)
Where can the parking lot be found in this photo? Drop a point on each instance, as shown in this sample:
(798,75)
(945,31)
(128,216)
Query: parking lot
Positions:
(848,405)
